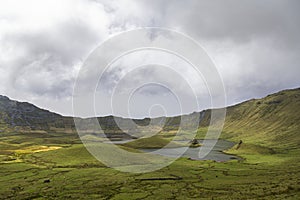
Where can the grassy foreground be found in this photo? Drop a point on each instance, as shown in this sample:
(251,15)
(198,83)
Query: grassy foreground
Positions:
(61,168)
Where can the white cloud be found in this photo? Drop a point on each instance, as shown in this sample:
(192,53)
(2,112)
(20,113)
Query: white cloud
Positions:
(255,44)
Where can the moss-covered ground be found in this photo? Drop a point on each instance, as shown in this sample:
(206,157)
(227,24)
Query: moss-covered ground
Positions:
(57,166)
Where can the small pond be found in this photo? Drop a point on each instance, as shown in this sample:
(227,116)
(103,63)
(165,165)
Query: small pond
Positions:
(215,154)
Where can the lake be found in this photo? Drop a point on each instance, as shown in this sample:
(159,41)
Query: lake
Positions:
(215,154)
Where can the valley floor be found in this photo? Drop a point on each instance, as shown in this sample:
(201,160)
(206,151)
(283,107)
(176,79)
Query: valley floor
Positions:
(62,169)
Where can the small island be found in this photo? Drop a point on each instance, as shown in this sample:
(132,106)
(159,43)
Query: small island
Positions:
(194,143)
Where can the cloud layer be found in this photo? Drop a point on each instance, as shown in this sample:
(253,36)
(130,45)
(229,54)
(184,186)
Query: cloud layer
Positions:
(255,44)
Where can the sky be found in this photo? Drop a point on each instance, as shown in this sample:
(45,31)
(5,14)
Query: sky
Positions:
(44,44)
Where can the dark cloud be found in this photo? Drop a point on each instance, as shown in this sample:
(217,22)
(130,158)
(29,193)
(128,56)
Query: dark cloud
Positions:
(254,43)
(236,20)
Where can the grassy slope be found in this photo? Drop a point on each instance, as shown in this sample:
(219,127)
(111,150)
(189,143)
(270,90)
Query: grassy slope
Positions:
(272,121)
(157,141)
(269,128)
(148,143)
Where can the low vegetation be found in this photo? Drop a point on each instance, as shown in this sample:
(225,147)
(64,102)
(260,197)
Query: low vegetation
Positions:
(71,172)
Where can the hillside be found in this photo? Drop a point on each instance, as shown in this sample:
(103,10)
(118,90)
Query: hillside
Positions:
(271,121)
(23,116)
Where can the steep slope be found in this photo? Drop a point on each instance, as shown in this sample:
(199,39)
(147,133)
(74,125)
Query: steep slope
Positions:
(272,121)
(23,116)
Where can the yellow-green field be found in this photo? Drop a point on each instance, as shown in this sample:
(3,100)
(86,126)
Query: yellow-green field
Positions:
(65,170)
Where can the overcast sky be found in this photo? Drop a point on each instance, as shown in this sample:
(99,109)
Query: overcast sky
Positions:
(255,45)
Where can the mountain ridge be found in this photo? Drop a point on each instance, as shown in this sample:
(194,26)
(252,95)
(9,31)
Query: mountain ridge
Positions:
(146,118)
(266,121)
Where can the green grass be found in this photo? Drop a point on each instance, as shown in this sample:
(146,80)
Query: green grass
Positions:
(75,174)
(198,180)
(271,122)
(154,142)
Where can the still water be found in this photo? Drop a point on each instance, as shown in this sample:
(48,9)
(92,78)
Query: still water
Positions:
(215,154)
